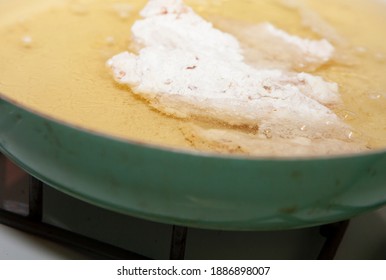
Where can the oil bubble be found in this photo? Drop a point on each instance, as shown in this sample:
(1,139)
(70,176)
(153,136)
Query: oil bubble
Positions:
(26,41)
(347,115)
(267,133)
(303,128)
(110,40)
(123,10)
(375,95)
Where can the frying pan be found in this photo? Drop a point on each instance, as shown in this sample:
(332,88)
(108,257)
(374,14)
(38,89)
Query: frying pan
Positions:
(188,188)
(191,188)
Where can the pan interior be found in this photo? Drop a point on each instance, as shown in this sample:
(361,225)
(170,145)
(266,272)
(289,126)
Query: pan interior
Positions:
(53,56)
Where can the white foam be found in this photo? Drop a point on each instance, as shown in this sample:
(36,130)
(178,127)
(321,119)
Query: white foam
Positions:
(187,68)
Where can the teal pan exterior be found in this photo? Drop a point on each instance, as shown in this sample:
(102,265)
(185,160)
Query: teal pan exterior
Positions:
(191,189)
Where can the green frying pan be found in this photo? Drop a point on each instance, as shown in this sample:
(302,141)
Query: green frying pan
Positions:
(192,189)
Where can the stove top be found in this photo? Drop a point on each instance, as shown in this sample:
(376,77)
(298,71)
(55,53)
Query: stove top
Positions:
(31,206)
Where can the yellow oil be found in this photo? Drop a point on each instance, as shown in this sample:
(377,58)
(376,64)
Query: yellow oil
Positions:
(53,54)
